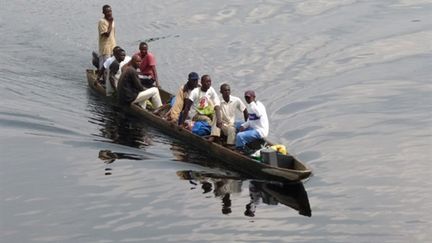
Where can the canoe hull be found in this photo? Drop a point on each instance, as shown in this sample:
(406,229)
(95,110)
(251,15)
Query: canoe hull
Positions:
(234,160)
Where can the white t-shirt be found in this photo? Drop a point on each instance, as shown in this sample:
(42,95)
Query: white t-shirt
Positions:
(229,109)
(202,99)
(107,64)
(257,118)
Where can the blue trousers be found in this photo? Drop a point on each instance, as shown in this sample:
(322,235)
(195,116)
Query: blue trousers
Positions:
(245,137)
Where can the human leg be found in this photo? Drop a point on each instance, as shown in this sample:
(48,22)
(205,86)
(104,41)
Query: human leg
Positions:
(230,132)
(152,93)
(156,99)
(245,137)
(215,131)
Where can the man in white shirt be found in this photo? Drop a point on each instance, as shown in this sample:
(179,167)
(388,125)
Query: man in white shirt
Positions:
(114,68)
(206,103)
(257,125)
(230,105)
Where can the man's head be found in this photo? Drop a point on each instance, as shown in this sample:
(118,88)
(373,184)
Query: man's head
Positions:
(136,61)
(249,96)
(121,55)
(107,11)
(115,49)
(225,90)
(143,48)
(193,78)
(205,82)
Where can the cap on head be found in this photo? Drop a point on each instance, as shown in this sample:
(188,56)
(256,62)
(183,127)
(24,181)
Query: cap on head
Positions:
(193,76)
(249,93)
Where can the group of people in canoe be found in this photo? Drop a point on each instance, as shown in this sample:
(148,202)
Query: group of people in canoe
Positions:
(135,81)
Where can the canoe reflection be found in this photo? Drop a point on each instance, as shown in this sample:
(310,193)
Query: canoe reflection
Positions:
(292,195)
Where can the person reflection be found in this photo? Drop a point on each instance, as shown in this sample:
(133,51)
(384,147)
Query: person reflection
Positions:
(222,186)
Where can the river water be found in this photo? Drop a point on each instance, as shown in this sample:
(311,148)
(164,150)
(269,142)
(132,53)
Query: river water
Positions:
(347,85)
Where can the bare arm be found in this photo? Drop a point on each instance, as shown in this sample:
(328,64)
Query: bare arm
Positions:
(114,67)
(155,76)
(218,116)
(245,114)
(184,114)
(108,32)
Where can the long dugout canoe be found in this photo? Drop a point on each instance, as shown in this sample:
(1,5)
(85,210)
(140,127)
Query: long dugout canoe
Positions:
(294,171)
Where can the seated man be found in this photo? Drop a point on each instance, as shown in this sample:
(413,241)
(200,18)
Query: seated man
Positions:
(182,94)
(257,125)
(229,106)
(101,74)
(130,90)
(207,106)
(148,73)
(114,71)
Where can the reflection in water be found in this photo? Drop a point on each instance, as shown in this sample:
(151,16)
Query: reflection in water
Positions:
(119,127)
(108,157)
(292,195)
(222,185)
(125,130)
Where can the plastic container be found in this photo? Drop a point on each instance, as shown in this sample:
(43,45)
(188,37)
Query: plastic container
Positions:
(269,156)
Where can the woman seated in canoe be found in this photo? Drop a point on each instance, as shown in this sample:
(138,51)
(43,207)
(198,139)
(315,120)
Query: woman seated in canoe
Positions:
(130,90)
(182,94)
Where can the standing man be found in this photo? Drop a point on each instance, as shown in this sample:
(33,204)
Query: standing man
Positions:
(130,90)
(229,106)
(149,76)
(257,125)
(107,40)
(207,106)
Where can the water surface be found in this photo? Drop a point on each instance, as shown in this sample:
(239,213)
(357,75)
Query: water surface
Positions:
(346,85)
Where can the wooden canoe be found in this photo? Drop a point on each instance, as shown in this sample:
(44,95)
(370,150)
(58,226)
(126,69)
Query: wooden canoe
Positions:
(243,164)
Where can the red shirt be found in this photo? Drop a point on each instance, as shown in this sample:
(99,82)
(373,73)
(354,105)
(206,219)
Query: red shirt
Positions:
(146,64)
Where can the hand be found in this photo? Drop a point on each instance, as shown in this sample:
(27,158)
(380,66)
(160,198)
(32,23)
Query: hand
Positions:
(241,129)
(219,124)
(110,19)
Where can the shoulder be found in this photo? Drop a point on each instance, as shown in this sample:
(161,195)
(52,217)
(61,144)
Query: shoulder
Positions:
(194,92)
(127,59)
(129,70)
(103,21)
(150,57)
(212,91)
(235,99)
(260,105)
(239,102)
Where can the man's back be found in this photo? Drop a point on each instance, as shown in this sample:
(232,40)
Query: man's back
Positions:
(129,85)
